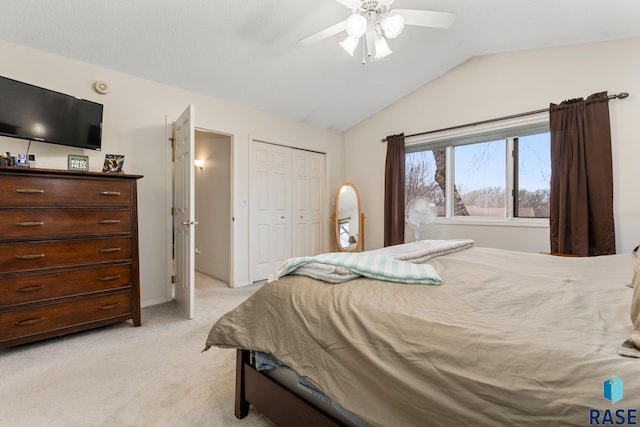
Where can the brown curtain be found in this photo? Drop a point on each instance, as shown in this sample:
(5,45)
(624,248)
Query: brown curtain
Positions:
(581,200)
(394,191)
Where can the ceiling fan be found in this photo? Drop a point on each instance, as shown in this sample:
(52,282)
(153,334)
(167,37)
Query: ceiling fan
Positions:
(377,22)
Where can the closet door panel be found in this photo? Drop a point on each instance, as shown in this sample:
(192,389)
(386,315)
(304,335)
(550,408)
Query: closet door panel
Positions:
(308,200)
(270,208)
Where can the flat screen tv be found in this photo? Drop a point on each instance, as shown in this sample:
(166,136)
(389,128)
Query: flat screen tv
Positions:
(38,114)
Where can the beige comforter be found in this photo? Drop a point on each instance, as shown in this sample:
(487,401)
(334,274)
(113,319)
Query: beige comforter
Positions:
(510,338)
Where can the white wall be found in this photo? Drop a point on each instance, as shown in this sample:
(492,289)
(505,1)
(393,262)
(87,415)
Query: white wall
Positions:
(135,115)
(498,85)
(213,232)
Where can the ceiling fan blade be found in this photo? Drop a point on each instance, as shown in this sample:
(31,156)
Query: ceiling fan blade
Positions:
(326,33)
(426,18)
(350,3)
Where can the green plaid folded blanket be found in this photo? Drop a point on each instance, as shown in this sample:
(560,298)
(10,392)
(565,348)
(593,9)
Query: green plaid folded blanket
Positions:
(339,267)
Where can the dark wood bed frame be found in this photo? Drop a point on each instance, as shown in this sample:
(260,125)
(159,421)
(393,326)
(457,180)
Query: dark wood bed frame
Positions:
(276,402)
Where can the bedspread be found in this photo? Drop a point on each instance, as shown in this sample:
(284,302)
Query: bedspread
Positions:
(510,338)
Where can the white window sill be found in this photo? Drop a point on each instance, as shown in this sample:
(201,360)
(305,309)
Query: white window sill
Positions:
(494,222)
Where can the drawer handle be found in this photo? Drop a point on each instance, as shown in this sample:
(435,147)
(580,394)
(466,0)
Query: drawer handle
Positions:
(109,278)
(29,322)
(30,224)
(30,288)
(109,306)
(28,257)
(29,191)
(108,250)
(109,193)
(109,221)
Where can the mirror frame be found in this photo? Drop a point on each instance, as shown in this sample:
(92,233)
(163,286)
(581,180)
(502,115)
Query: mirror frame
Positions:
(359,246)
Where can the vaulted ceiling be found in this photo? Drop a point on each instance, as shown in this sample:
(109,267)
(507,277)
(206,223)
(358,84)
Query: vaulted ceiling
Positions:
(248,51)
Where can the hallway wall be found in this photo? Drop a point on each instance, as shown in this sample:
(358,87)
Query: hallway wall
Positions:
(213,205)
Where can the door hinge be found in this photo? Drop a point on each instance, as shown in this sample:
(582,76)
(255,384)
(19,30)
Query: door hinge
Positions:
(173,279)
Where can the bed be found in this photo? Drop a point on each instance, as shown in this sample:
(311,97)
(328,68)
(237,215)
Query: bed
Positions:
(508,338)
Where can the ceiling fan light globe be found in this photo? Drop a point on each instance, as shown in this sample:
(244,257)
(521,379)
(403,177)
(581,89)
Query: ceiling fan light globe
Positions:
(392,26)
(349,44)
(356,25)
(382,48)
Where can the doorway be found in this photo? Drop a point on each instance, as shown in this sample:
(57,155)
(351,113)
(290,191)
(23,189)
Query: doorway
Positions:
(202,222)
(213,234)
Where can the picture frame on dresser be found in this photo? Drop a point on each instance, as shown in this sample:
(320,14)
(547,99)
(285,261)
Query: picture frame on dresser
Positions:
(113,163)
(68,252)
(76,162)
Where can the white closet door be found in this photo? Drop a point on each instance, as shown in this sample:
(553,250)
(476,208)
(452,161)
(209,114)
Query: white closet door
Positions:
(307,199)
(270,208)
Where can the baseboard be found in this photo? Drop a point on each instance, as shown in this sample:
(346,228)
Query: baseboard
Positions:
(149,303)
(241,284)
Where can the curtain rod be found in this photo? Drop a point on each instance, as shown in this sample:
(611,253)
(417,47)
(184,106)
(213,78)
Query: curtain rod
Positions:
(620,95)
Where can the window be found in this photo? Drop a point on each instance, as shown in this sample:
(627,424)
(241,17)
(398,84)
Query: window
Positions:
(533,175)
(501,174)
(423,179)
(343,231)
(480,178)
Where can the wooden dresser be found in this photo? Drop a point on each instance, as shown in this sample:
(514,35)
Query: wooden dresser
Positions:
(68,252)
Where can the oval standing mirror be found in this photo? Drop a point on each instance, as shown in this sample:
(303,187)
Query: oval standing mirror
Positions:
(348,220)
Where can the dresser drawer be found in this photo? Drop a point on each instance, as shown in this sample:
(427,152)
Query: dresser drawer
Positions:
(43,223)
(29,256)
(46,318)
(43,190)
(40,287)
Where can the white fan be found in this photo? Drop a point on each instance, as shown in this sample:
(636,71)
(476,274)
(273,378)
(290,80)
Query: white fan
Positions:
(419,213)
(375,20)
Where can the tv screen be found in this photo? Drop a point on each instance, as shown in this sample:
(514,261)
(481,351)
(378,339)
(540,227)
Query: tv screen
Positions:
(38,114)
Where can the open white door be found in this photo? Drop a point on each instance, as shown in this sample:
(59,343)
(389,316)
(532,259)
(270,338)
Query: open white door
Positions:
(184,211)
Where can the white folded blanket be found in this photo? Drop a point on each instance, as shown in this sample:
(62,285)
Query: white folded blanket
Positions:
(423,250)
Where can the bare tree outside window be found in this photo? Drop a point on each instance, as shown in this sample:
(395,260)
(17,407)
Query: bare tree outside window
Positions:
(426,177)
(420,179)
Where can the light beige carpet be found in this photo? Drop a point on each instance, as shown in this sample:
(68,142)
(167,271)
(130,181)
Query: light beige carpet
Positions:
(153,375)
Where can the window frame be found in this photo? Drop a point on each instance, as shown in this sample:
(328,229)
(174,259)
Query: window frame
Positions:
(508,130)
